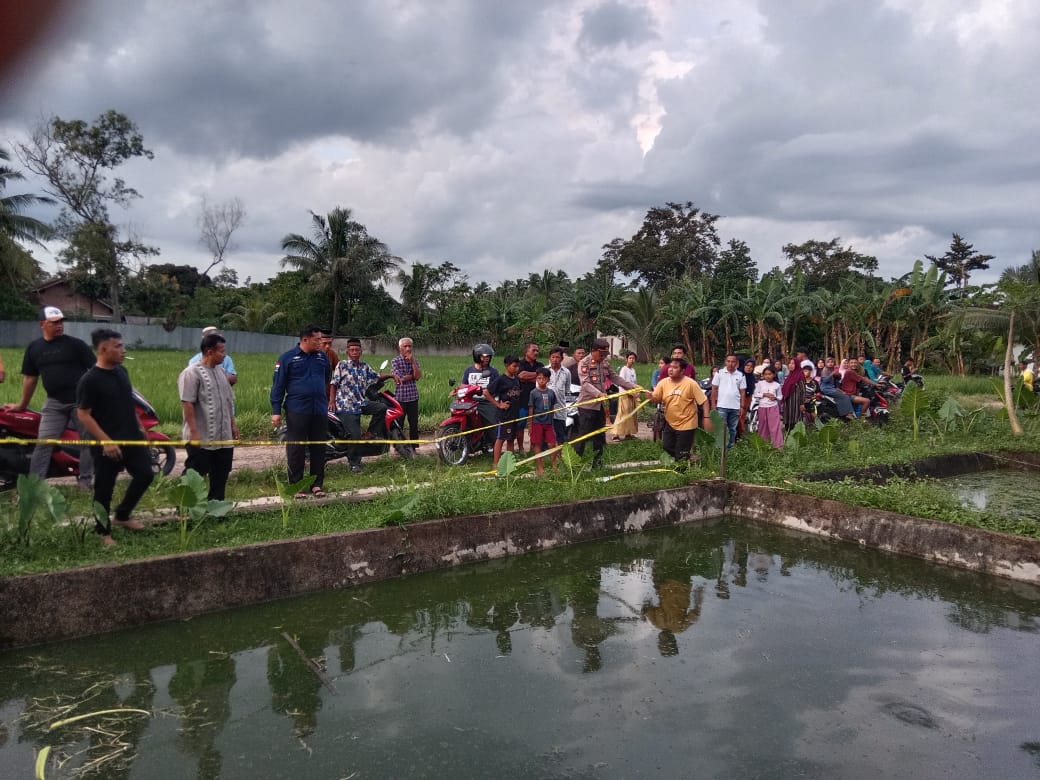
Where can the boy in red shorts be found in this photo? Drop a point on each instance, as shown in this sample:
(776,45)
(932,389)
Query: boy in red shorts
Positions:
(541,404)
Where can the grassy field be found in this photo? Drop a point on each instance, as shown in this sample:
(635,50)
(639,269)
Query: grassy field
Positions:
(154,373)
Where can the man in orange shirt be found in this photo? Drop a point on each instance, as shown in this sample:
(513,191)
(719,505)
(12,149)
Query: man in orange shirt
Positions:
(680,396)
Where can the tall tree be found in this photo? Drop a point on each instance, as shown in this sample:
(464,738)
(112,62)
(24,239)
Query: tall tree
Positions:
(734,268)
(217,223)
(960,260)
(826,263)
(75,159)
(420,286)
(341,258)
(676,240)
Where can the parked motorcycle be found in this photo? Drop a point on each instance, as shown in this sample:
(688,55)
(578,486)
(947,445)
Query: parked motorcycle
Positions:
(335,446)
(14,458)
(459,436)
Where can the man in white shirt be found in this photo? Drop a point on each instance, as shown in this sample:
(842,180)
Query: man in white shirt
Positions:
(727,389)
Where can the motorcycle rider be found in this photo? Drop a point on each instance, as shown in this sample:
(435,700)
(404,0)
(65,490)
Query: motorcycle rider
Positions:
(60,361)
(482,373)
(347,399)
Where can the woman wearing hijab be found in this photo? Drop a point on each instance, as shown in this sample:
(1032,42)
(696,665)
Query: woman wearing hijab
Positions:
(745,401)
(792,392)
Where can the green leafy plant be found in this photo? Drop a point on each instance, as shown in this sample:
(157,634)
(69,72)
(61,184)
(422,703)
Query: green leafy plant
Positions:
(402,508)
(287,493)
(189,493)
(915,402)
(797,437)
(507,468)
(573,462)
(34,494)
(829,434)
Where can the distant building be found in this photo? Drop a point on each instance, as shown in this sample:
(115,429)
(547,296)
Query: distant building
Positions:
(58,292)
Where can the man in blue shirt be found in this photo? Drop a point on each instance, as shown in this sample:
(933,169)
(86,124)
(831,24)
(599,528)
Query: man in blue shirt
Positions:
(300,386)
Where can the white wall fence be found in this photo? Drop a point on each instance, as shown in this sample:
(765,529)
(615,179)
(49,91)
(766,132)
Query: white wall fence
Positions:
(19,334)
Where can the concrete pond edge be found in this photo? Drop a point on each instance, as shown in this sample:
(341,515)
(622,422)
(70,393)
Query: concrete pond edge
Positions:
(40,608)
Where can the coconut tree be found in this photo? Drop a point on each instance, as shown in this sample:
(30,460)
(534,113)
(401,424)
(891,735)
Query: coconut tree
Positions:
(639,317)
(254,316)
(13,223)
(341,258)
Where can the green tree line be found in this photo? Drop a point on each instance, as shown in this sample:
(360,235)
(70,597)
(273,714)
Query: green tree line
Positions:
(675,279)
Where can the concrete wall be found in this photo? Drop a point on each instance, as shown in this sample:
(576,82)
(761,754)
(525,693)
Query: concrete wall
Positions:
(18,334)
(48,607)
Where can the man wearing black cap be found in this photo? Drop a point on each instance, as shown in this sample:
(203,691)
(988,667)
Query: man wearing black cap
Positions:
(594,372)
(60,360)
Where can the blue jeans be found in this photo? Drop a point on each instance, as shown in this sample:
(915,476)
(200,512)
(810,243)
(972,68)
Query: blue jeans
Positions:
(731,416)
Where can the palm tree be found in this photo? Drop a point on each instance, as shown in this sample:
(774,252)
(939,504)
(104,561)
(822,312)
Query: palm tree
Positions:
(417,288)
(256,316)
(639,317)
(13,223)
(342,258)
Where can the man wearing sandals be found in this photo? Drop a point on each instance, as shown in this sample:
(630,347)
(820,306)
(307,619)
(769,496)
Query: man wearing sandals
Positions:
(300,386)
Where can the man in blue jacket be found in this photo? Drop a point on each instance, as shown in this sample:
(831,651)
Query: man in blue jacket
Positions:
(301,386)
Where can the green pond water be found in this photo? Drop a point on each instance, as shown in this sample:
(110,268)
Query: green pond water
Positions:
(1006,492)
(725,650)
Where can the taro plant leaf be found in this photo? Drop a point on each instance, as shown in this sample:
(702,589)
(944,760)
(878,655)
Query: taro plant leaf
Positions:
(915,402)
(402,508)
(797,437)
(575,465)
(949,413)
(286,490)
(829,435)
(854,446)
(506,464)
(216,508)
(35,493)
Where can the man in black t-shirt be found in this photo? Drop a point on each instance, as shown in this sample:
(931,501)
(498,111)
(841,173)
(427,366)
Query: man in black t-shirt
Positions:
(60,361)
(529,366)
(106,409)
(504,392)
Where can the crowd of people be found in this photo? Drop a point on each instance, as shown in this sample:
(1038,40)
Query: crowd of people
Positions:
(90,391)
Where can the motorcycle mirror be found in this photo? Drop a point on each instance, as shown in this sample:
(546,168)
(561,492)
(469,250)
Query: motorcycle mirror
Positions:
(383,364)
(485,374)
(451,382)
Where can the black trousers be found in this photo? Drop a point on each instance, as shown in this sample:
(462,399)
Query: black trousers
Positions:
(678,444)
(215,464)
(306,427)
(138,464)
(411,414)
(376,427)
(591,419)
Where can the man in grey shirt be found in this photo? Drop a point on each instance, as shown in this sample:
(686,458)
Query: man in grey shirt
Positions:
(209,415)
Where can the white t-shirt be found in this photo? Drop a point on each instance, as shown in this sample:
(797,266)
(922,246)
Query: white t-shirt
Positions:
(731,387)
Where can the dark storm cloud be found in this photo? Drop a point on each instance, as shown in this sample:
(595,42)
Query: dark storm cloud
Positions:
(612,24)
(253,78)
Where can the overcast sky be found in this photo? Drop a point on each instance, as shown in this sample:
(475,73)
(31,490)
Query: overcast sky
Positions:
(512,137)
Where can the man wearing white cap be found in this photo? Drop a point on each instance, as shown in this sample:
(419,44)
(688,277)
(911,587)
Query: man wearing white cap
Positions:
(60,361)
(228,364)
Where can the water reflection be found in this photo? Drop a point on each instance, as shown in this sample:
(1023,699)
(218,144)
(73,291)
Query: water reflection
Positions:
(524,666)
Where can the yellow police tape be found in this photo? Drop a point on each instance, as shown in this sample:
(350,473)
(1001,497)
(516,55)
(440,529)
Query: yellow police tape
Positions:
(273,442)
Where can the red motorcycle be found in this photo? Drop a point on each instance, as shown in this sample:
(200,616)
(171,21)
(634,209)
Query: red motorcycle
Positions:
(460,435)
(14,458)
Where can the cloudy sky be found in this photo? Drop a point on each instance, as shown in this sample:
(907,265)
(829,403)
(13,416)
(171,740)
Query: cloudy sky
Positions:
(511,137)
